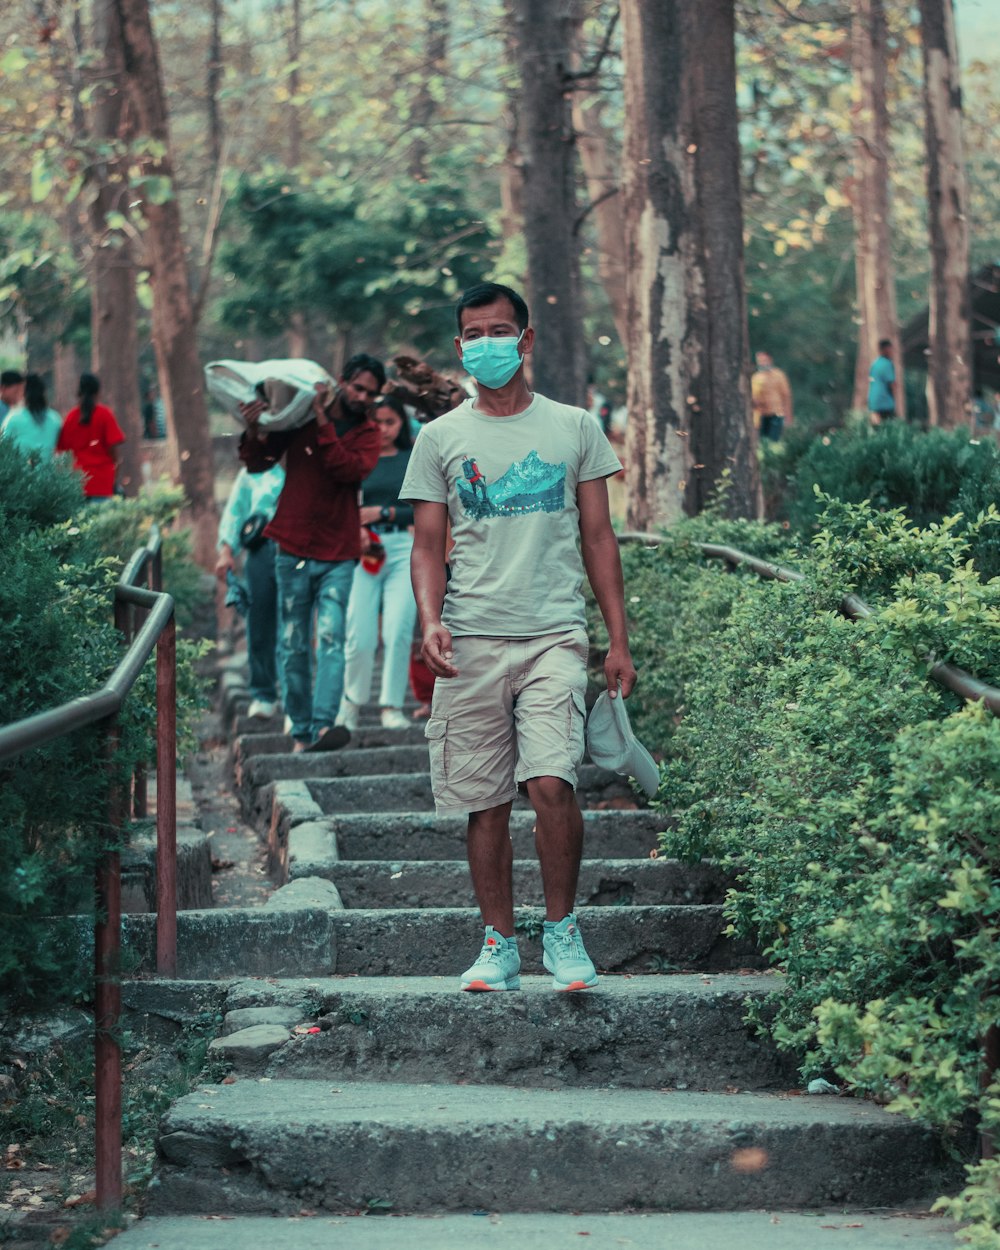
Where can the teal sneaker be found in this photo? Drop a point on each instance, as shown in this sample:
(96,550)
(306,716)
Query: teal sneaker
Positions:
(565,956)
(498,964)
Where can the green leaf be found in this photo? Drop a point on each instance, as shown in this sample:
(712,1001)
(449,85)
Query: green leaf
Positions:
(41,178)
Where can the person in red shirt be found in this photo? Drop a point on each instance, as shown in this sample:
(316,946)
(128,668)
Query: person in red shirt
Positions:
(92,436)
(317,529)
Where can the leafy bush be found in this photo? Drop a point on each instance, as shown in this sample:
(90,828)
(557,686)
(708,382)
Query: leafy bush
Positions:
(854,799)
(930,473)
(56,594)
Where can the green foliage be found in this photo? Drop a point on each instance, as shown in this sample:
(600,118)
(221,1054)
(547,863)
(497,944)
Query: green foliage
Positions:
(58,567)
(390,266)
(854,799)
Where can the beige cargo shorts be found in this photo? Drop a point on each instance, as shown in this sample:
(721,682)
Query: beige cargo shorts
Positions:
(515,711)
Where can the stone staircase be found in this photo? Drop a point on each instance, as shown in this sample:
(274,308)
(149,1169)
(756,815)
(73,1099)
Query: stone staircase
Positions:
(364,1082)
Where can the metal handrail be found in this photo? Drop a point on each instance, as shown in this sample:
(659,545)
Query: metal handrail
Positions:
(953,678)
(156,629)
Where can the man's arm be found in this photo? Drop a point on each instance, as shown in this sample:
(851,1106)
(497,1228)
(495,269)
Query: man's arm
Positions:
(602,561)
(427,569)
(352,457)
(260,451)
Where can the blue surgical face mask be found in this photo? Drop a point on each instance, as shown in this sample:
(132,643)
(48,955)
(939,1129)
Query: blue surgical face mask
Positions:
(492,361)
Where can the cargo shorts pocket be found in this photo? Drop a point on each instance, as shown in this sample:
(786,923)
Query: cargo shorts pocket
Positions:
(436,733)
(577,726)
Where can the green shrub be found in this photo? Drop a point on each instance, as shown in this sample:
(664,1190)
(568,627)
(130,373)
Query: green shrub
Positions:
(56,593)
(930,473)
(854,799)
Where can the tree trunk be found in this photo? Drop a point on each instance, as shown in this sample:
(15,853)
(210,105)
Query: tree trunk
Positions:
(544,30)
(294,86)
(65,376)
(178,365)
(601,161)
(297,336)
(113,304)
(436,30)
(688,370)
(876,288)
(213,82)
(949,379)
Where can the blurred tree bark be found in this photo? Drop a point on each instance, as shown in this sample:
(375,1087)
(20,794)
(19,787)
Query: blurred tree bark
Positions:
(174,324)
(601,161)
(949,377)
(687,340)
(113,304)
(213,82)
(544,50)
(876,287)
(436,31)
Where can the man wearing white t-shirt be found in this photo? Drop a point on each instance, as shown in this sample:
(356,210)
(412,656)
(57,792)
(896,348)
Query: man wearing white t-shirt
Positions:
(521,480)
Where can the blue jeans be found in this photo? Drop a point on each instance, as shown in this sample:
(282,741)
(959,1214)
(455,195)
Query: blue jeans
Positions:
(308,587)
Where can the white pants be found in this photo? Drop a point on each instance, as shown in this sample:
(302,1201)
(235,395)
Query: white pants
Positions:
(389,591)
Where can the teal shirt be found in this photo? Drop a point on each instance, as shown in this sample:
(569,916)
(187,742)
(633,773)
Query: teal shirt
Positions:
(880,378)
(33,438)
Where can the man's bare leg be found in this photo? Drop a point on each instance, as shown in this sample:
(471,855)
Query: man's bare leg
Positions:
(558,841)
(491,859)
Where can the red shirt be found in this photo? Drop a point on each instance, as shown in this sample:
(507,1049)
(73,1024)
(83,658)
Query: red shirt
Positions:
(91,447)
(317,515)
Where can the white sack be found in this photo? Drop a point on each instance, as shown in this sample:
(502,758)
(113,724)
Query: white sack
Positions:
(289,387)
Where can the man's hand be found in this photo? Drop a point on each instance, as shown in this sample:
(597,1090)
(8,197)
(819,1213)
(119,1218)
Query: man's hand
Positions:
(322,397)
(436,651)
(226,562)
(618,667)
(251,414)
(370,513)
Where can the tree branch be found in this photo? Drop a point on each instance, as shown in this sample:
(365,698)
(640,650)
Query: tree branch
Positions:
(593,70)
(591,206)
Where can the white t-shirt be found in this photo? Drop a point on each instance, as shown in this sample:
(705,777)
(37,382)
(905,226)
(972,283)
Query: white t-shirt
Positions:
(510,486)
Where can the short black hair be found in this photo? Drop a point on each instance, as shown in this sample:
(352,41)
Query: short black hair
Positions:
(484,293)
(883,343)
(11,377)
(363,363)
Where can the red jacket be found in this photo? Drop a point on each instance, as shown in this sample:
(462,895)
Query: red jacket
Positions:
(317,515)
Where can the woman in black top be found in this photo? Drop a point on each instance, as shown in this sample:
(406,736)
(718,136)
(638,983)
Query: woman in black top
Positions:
(382,586)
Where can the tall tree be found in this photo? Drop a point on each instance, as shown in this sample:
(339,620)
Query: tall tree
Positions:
(600,158)
(436,27)
(688,372)
(178,364)
(544,48)
(114,308)
(876,288)
(213,82)
(949,379)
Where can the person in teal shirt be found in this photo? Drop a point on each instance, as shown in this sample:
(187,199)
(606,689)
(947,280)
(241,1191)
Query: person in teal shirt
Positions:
(33,427)
(881,383)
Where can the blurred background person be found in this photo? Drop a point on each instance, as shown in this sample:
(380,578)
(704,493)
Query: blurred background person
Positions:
(33,427)
(93,436)
(11,391)
(384,586)
(251,505)
(771,396)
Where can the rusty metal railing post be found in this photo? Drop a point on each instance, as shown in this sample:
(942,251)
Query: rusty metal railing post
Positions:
(107,986)
(166,800)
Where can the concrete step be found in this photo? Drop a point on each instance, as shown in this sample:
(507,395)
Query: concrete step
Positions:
(446,883)
(629,1032)
(443,941)
(257,743)
(776,1229)
(279,1146)
(338,790)
(422,835)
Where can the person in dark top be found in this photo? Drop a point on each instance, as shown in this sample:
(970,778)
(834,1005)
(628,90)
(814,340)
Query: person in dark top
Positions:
(387,589)
(317,529)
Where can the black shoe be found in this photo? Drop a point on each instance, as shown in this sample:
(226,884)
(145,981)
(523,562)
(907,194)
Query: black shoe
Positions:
(331,739)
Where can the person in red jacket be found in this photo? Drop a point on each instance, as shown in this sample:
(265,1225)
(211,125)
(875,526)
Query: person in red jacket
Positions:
(92,435)
(317,530)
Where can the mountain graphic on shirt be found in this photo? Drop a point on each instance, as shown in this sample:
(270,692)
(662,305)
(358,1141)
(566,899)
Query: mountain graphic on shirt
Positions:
(530,485)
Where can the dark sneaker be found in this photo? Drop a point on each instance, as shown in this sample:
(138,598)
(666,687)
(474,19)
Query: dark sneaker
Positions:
(565,956)
(497,967)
